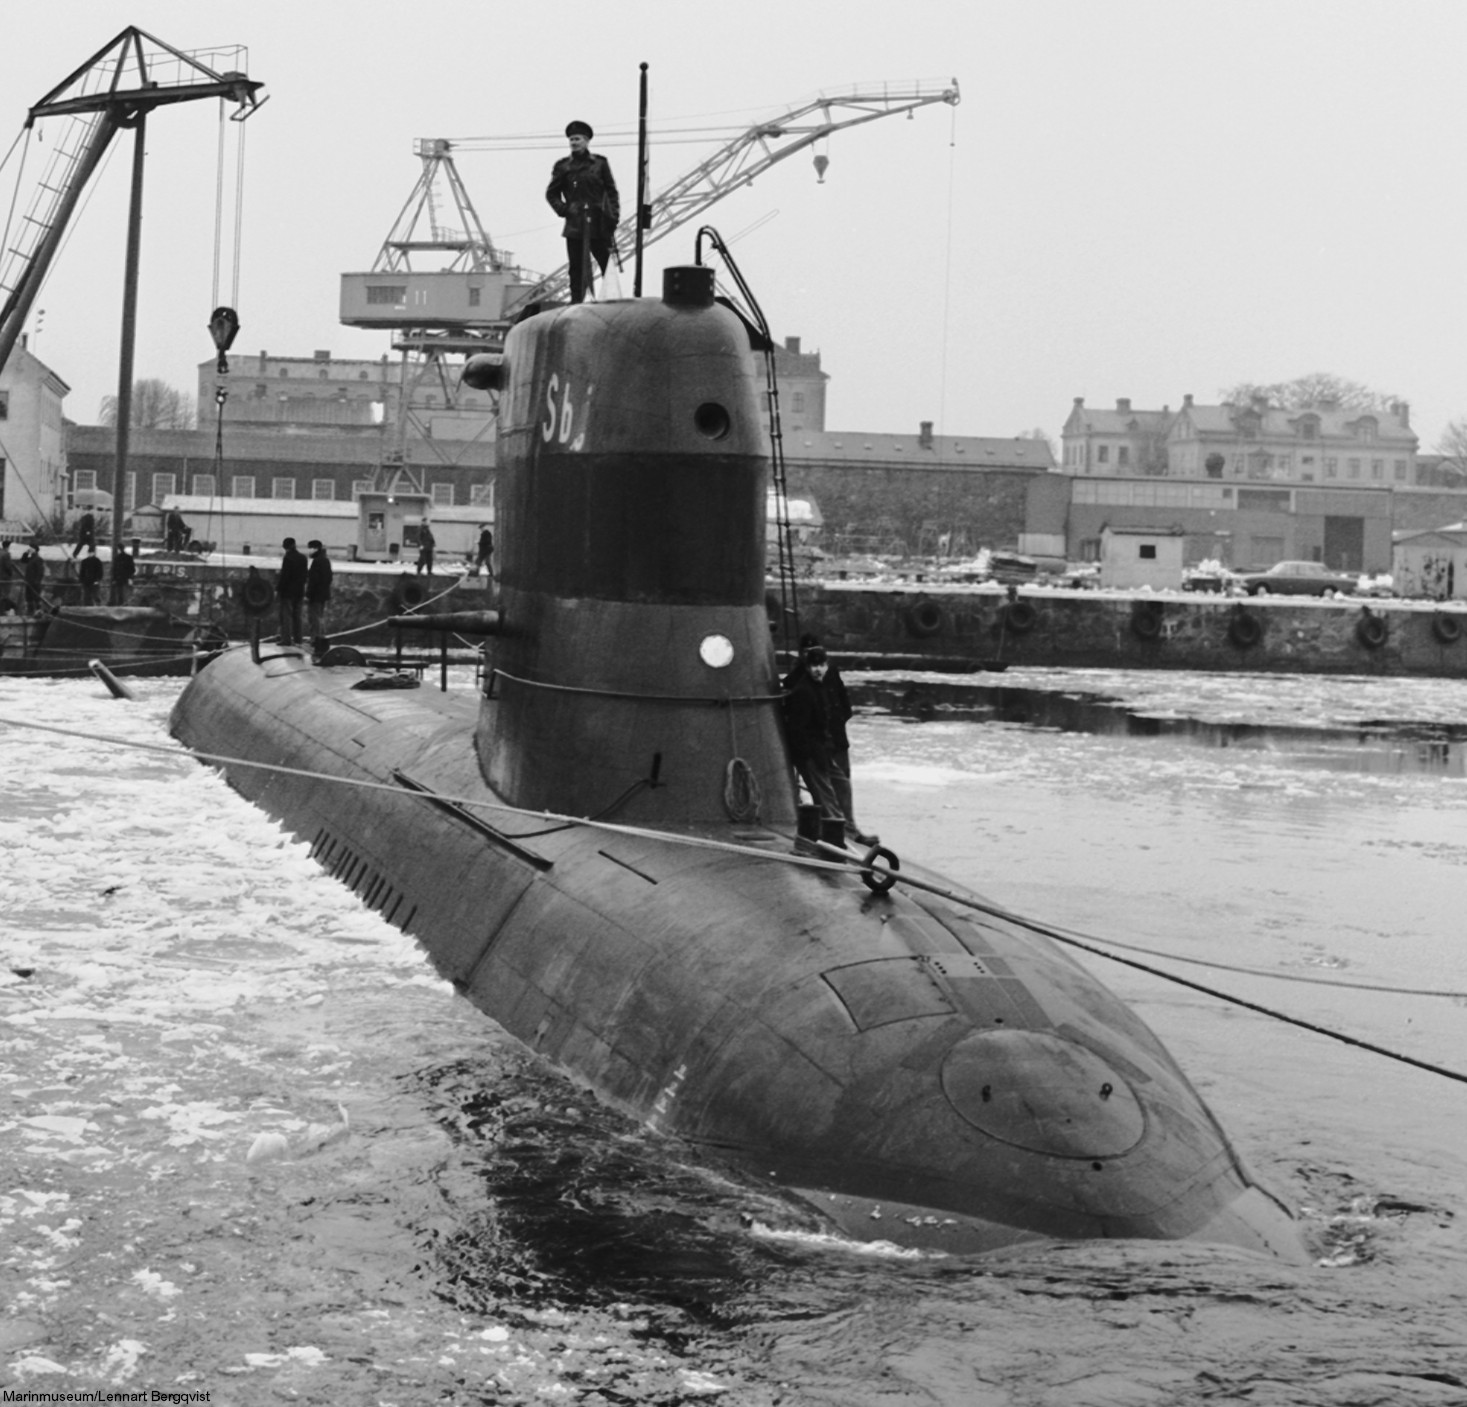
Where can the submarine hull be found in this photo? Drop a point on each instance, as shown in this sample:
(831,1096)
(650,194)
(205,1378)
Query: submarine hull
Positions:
(600,851)
(919,1071)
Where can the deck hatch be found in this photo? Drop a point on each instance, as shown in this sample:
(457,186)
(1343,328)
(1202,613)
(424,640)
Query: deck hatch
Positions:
(886,990)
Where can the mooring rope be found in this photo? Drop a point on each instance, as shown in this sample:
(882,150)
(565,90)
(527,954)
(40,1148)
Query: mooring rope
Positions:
(838,866)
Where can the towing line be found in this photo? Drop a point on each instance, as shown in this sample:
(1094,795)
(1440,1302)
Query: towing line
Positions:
(886,876)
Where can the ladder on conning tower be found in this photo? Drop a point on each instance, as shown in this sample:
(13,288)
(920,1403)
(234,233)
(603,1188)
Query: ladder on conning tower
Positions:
(753,314)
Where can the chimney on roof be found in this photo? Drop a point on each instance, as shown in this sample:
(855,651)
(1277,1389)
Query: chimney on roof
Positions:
(322,356)
(1402,411)
(1187,401)
(792,344)
(1123,403)
(1079,402)
(924,434)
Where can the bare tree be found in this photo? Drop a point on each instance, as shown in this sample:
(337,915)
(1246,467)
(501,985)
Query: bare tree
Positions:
(155,406)
(1041,435)
(1311,390)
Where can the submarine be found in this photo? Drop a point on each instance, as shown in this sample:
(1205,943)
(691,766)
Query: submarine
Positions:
(600,846)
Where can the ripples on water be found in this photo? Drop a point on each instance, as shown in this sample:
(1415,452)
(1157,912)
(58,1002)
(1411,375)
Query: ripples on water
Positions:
(490,1233)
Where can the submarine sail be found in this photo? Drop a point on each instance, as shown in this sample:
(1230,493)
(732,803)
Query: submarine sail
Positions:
(918,1069)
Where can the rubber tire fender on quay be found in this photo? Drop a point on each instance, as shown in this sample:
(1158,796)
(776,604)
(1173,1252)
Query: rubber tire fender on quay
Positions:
(407,595)
(255,596)
(1372,631)
(1146,619)
(1018,617)
(1245,629)
(924,619)
(1446,628)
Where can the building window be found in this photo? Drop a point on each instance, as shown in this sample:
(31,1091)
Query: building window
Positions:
(1400,471)
(4,405)
(1331,467)
(323,488)
(323,374)
(1352,468)
(797,402)
(1123,456)
(1089,549)
(84,480)
(387,293)
(442,495)
(1377,468)
(162,486)
(1309,429)
(130,496)
(203,485)
(474,297)
(362,376)
(284,371)
(1147,552)
(481,495)
(282,488)
(360,486)
(1365,431)
(1102,454)
(242,486)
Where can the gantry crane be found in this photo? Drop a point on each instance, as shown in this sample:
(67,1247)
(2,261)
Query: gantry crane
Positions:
(116,88)
(468,303)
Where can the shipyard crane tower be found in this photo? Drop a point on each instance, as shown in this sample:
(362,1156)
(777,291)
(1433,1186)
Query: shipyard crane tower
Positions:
(114,89)
(468,303)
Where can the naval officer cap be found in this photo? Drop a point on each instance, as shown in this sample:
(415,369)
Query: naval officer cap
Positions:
(579,129)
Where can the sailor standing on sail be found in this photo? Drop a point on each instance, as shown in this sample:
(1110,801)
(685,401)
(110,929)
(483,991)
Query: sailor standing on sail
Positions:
(582,191)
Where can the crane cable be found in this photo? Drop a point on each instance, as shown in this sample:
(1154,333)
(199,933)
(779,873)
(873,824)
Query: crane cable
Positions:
(221,392)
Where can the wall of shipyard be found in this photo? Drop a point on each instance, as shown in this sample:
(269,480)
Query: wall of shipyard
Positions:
(916,626)
(900,503)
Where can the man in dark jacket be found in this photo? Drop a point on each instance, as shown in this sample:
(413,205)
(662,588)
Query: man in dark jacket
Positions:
(290,590)
(807,726)
(426,543)
(33,572)
(318,590)
(89,573)
(124,568)
(838,713)
(582,191)
(86,533)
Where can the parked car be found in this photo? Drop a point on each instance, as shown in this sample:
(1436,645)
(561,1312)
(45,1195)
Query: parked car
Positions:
(1298,579)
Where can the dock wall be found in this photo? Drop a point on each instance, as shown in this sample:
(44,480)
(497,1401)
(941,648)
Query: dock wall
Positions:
(946,628)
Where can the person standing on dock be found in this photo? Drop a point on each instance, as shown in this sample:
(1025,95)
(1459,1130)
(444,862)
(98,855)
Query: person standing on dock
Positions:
(89,573)
(426,544)
(33,572)
(124,568)
(290,590)
(175,532)
(582,191)
(485,559)
(86,534)
(318,591)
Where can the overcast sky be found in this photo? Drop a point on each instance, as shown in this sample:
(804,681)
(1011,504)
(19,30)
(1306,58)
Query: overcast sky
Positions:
(1133,199)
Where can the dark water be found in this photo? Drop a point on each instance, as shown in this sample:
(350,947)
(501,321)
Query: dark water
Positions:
(249,1146)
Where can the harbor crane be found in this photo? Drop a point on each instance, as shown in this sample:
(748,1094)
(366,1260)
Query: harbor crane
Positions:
(114,89)
(467,304)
